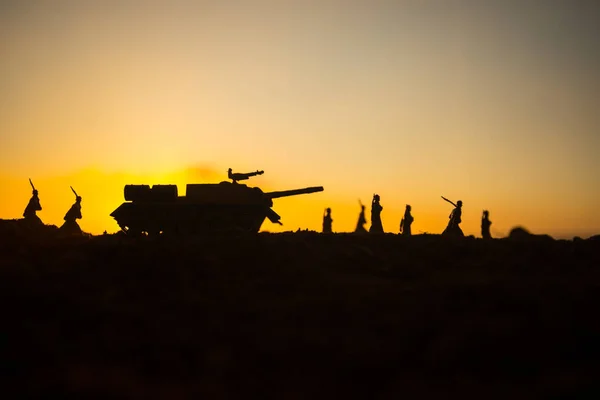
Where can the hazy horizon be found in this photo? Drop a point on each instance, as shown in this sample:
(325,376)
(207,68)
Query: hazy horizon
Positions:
(494,103)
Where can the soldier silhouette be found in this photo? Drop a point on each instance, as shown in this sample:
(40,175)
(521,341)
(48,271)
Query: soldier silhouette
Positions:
(376,208)
(485,225)
(454,220)
(327,221)
(362,220)
(71,226)
(406,222)
(33,207)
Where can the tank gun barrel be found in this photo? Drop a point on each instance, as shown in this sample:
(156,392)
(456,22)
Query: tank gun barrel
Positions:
(293,192)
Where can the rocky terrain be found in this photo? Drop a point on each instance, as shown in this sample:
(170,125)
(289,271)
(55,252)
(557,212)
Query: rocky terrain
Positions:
(300,315)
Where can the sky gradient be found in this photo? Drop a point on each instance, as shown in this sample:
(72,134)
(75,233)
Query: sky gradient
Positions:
(495,103)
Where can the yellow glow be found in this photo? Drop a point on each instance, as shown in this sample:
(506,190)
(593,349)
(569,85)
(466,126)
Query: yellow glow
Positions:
(408,99)
(102,192)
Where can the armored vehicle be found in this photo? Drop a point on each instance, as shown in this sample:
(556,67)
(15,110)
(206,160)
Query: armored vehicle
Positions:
(205,208)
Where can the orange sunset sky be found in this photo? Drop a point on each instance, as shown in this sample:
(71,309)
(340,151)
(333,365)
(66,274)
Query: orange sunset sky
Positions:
(495,103)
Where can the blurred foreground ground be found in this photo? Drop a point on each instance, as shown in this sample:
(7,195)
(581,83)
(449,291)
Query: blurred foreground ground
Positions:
(300,315)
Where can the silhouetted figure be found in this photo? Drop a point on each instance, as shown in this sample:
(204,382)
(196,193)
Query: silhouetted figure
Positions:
(406,222)
(362,220)
(33,207)
(71,226)
(327,221)
(238,176)
(485,225)
(455,219)
(376,208)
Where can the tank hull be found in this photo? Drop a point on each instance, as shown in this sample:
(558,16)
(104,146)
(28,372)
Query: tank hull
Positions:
(188,218)
(206,208)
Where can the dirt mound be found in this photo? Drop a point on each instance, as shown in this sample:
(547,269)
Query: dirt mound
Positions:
(21,228)
(520,233)
(19,231)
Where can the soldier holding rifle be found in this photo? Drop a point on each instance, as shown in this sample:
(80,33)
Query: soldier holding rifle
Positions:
(33,207)
(362,220)
(71,217)
(455,219)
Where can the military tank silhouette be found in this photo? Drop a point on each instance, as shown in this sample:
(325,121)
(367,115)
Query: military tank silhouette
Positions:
(205,208)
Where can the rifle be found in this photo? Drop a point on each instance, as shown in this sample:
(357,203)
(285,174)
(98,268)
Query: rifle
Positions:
(449,201)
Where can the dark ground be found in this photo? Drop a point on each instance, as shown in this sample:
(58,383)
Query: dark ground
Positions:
(301,316)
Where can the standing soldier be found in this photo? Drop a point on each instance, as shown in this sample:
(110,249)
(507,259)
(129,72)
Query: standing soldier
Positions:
(376,208)
(406,222)
(485,225)
(71,226)
(327,221)
(362,220)
(455,219)
(33,207)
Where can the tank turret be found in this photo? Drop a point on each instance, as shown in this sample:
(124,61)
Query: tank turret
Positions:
(205,208)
